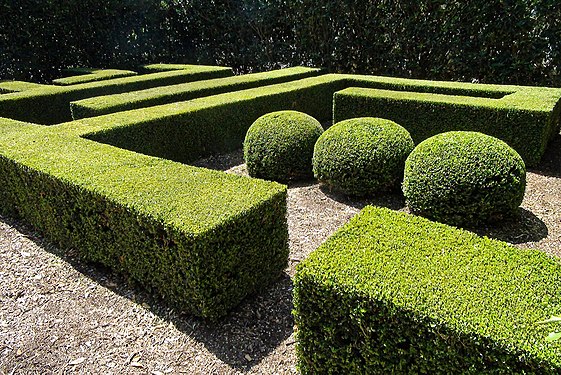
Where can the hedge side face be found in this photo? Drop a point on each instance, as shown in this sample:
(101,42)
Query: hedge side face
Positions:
(51,104)
(394,293)
(106,104)
(526,119)
(201,239)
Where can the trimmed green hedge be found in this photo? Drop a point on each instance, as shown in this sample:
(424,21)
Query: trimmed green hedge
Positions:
(201,239)
(189,130)
(222,120)
(526,119)
(279,146)
(7,87)
(394,293)
(84,75)
(152,68)
(101,105)
(51,105)
(464,178)
(362,156)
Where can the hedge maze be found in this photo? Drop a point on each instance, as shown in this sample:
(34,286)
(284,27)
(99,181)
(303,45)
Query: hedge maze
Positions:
(100,164)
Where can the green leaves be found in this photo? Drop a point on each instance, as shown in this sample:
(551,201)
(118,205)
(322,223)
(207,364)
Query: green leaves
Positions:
(464,178)
(553,336)
(362,156)
(395,293)
(279,146)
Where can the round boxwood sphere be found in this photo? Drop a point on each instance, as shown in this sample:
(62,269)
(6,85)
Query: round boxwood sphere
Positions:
(362,156)
(279,146)
(464,178)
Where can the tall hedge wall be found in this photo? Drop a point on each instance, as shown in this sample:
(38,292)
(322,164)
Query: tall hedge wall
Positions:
(493,41)
(516,42)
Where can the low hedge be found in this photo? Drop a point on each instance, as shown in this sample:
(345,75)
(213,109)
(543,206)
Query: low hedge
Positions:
(189,130)
(222,120)
(201,239)
(516,110)
(464,179)
(394,293)
(7,87)
(84,75)
(101,105)
(279,146)
(152,68)
(362,156)
(526,119)
(51,105)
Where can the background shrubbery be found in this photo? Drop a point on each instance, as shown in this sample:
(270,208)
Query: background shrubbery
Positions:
(495,41)
(40,37)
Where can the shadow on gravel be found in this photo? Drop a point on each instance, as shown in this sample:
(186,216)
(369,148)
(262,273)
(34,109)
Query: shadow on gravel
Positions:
(526,227)
(221,162)
(242,339)
(551,161)
(252,330)
(392,200)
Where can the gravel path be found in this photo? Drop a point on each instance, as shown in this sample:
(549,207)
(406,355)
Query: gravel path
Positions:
(60,315)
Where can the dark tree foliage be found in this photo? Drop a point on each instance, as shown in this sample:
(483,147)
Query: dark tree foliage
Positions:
(513,41)
(495,41)
(249,35)
(40,37)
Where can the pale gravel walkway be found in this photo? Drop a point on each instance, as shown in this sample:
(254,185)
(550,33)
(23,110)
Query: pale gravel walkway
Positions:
(59,315)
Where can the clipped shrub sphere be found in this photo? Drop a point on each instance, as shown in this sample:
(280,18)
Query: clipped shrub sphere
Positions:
(279,146)
(464,178)
(362,156)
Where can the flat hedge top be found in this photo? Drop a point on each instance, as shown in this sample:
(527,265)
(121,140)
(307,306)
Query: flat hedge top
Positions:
(138,96)
(91,75)
(167,67)
(51,89)
(471,284)
(530,98)
(17,86)
(185,197)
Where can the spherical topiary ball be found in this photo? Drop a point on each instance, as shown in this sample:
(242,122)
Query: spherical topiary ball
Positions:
(279,146)
(464,178)
(362,156)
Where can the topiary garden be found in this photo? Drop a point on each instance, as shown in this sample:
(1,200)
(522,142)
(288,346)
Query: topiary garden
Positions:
(105,163)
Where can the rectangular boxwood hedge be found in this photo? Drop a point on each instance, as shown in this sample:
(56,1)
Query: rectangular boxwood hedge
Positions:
(186,131)
(51,105)
(393,293)
(84,75)
(101,105)
(522,119)
(528,116)
(201,239)
(7,87)
(152,68)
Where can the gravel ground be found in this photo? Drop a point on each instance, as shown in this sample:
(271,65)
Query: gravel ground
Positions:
(60,315)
